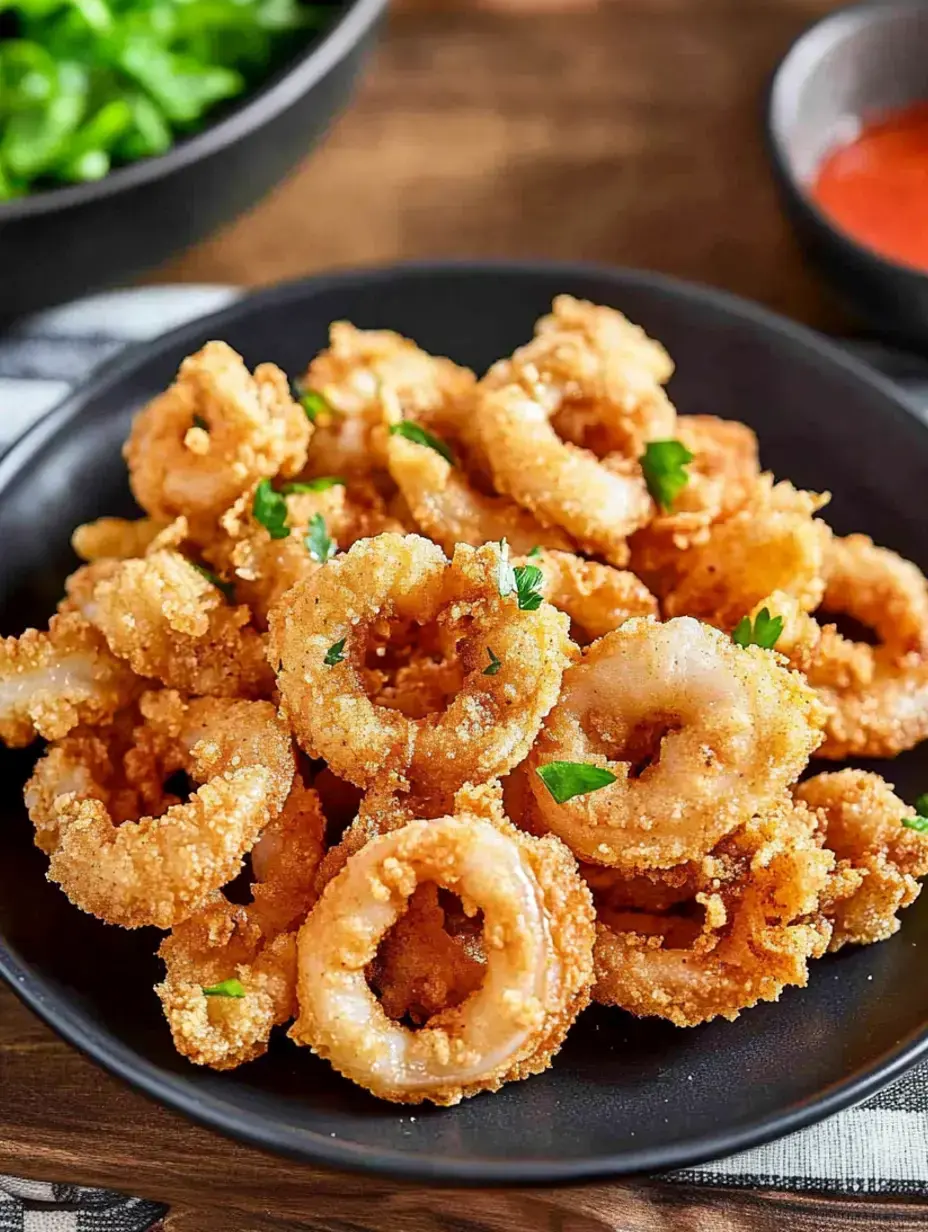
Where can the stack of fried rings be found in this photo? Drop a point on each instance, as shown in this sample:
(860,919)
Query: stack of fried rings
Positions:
(499,691)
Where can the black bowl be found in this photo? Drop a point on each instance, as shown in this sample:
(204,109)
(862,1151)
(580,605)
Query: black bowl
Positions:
(623,1095)
(59,244)
(856,63)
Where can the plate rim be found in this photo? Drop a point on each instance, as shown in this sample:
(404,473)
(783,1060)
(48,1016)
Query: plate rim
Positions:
(61,1013)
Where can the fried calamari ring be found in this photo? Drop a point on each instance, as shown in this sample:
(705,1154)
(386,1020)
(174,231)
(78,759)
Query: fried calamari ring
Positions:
(253,430)
(118,538)
(449,509)
(370,378)
(699,733)
(598,372)
(774,542)
(597,598)
(759,898)
(160,869)
(598,502)
(489,725)
(864,828)
(538,929)
(52,681)
(879,589)
(255,944)
(172,624)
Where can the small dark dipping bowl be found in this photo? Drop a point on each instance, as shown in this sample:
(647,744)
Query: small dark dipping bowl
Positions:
(623,1095)
(66,242)
(856,64)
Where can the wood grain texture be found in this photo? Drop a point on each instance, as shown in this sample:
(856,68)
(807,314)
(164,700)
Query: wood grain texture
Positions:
(63,1119)
(628,132)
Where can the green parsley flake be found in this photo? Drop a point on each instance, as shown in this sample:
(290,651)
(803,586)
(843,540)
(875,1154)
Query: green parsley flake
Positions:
(270,509)
(495,664)
(322,484)
(920,821)
(335,653)
(536,550)
(664,466)
(764,632)
(317,540)
(228,988)
(227,588)
(529,581)
(417,434)
(566,779)
(314,405)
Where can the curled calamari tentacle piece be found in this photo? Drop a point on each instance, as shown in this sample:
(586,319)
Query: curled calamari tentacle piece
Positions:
(538,930)
(863,820)
(774,542)
(369,378)
(321,632)
(116,538)
(598,598)
(254,945)
(172,624)
(449,508)
(597,372)
(698,733)
(597,501)
(212,434)
(748,929)
(163,867)
(52,681)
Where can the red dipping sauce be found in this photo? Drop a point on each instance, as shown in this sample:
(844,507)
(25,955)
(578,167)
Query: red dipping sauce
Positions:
(876,187)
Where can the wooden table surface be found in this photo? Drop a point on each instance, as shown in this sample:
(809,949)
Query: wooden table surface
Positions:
(626,133)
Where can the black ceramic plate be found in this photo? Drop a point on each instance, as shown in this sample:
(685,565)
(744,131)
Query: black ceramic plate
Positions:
(623,1095)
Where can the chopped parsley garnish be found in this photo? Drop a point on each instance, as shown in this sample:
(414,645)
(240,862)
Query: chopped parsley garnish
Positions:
(764,632)
(270,509)
(536,550)
(664,465)
(322,484)
(417,434)
(529,581)
(318,541)
(200,422)
(313,404)
(920,821)
(566,779)
(495,664)
(227,588)
(228,988)
(335,653)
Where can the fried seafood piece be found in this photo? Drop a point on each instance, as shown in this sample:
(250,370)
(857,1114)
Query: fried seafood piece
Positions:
(216,431)
(600,375)
(863,820)
(538,937)
(720,479)
(698,733)
(368,379)
(116,538)
(52,681)
(262,568)
(254,945)
(448,507)
(170,623)
(598,501)
(162,867)
(320,634)
(773,542)
(876,697)
(746,929)
(598,598)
